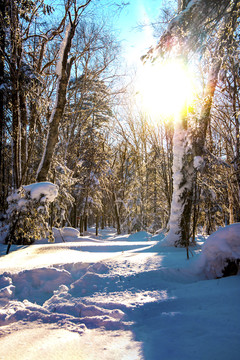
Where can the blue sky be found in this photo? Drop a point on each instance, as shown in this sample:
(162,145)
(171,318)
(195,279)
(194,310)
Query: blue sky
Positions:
(134,42)
(137,12)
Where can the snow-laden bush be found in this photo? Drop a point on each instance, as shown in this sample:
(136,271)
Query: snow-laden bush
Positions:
(221,252)
(28,213)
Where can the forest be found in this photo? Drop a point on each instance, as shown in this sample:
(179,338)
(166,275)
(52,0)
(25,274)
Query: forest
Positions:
(70,118)
(119,180)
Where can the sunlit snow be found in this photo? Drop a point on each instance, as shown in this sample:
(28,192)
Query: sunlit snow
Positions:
(118,297)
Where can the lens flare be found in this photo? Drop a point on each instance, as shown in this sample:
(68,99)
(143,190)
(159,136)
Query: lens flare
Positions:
(165,89)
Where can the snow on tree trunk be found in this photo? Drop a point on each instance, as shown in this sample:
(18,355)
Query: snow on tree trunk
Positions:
(184,163)
(63,70)
(183,180)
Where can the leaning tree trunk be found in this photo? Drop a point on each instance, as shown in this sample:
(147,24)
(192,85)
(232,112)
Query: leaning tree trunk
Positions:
(58,110)
(63,70)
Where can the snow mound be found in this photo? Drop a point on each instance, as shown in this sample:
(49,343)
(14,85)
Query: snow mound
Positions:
(44,190)
(69,231)
(37,283)
(140,236)
(221,246)
(7,289)
(66,232)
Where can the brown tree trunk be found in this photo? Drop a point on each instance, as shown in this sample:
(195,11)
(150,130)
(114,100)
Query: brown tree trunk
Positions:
(15,63)
(58,110)
(116,211)
(23,134)
(2,117)
(97,224)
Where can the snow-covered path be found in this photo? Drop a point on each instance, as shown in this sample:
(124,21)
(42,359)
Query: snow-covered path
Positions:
(115,297)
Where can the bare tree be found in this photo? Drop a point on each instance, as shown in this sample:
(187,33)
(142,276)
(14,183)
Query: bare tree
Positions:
(63,69)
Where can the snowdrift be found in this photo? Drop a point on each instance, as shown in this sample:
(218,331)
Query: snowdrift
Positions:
(220,249)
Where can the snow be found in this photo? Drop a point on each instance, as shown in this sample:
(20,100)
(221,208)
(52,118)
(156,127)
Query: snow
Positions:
(59,73)
(180,148)
(47,191)
(61,51)
(222,245)
(198,162)
(119,297)
(65,233)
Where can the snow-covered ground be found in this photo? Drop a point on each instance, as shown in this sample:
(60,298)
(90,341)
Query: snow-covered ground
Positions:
(116,298)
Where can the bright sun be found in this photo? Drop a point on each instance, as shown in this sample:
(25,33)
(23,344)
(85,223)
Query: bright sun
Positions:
(165,89)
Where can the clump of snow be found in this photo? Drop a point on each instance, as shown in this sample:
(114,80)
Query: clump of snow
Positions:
(222,245)
(7,289)
(46,191)
(15,196)
(67,231)
(61,51)
(198,162)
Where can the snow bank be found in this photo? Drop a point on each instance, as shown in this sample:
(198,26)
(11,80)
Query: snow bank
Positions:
(154,296)
(222,245)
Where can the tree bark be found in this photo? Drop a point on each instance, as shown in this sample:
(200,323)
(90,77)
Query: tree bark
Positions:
(2,117)
(23,134)
(58,110)
(183,182)
(15,61)
(116,211)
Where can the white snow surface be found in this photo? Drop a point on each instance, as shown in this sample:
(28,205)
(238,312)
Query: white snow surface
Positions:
(222,245)
(118,297)
(65,233)
(48,190)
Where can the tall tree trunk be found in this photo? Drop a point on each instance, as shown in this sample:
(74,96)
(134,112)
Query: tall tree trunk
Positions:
(183,181)
(58,110)
(63,69)
(15,63)
(97,224)
(116,211)
(183,166)
(23,134)
(2,117)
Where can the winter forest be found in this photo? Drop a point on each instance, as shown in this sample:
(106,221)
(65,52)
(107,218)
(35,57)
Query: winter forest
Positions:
(106,155)
(68,118)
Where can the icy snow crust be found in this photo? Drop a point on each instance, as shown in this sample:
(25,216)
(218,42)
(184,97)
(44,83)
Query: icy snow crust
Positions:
(110,298)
